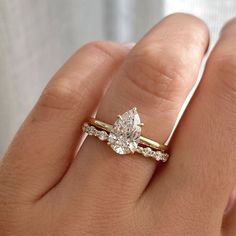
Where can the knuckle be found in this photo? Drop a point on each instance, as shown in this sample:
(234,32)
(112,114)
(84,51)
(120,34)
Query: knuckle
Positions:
(56,99)
(59,97)
(145,55)
(113,51)
(148,68)
(63,94)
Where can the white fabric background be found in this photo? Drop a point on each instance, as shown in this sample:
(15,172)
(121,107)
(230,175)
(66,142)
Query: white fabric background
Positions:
(37,36)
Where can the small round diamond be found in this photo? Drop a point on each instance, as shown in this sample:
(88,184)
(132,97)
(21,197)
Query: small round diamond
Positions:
(96,133)
(91,130)
(140,149)
(153,153)
(102,135)
(165,157)
(147,151)
(158,155)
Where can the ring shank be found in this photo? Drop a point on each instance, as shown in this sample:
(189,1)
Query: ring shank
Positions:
(143,140)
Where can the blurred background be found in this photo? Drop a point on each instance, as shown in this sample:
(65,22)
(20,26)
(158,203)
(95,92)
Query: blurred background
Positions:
(37,36)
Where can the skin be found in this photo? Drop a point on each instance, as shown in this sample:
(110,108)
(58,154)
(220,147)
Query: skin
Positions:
(45,190)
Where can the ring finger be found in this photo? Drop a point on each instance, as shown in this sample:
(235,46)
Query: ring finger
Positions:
(156,78)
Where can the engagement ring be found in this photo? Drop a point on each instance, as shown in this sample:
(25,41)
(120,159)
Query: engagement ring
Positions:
(124,137)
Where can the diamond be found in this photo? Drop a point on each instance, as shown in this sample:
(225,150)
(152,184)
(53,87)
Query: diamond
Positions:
(158,155)
(139,149)
(125,134)
(102,135)
(91,130)
(152,154)
(147,151)
(165,157)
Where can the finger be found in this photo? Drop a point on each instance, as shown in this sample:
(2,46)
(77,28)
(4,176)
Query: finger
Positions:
(202,171)
(155,77)
(43,148)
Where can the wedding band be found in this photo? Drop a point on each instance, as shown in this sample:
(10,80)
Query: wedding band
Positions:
(124,137)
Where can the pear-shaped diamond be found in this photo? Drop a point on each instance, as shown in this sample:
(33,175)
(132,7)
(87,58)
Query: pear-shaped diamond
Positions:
(124,136)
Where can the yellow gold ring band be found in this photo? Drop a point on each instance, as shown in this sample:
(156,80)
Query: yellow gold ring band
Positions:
(146,142)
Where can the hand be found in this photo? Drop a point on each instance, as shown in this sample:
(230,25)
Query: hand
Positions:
(44,190)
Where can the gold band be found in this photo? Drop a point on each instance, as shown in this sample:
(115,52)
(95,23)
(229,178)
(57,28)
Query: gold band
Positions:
(143,140)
